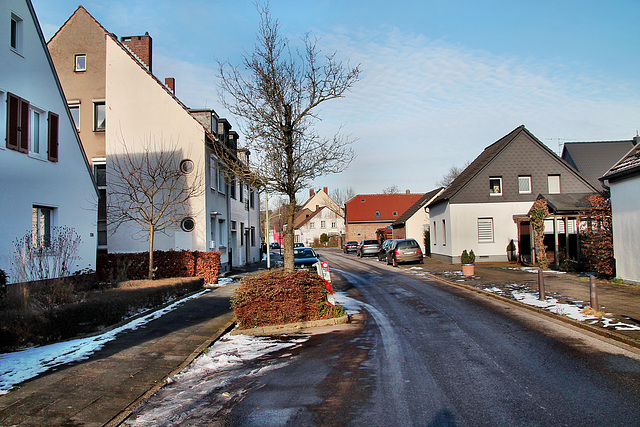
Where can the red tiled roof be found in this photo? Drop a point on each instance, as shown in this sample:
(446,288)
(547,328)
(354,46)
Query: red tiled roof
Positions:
(363,207)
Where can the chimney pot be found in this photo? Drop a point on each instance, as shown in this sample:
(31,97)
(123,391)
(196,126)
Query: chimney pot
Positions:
(326,190)
(312,192)
(408,192)
(141,46)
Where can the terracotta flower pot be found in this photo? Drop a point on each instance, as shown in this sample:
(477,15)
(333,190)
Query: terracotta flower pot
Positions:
(468,269)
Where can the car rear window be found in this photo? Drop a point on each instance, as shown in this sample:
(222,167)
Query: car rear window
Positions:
(408,244)
(370,242)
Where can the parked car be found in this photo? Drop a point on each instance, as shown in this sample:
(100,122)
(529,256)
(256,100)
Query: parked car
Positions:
(368,247)
(298,245)
(304,257)
(274,246)
(350,246)
(382,255)
(404,250)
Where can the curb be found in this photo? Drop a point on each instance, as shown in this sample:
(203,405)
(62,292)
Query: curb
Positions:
(594,329)
(291,327)
(126,413)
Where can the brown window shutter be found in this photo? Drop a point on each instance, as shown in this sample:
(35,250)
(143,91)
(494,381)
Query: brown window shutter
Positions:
(24,127)
(13,121)
(53,136)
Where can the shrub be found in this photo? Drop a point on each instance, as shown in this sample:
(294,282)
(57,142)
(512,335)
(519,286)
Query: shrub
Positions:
(277,298)
(467,257)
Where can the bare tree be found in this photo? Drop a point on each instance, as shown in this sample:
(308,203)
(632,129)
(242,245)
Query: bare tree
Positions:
(150,188)
(451,174)
(342,195)
(392,189)
(275,94)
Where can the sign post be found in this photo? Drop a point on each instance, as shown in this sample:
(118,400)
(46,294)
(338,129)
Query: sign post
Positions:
(323,272)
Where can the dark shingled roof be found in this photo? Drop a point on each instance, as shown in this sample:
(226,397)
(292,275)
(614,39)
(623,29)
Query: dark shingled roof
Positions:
(593,159)
(627,166)
(417,205)
(566,203)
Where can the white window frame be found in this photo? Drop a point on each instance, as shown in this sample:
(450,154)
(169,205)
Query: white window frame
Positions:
(222,234)
(334,225)
(77,65)
(75,106)
(492,191)
(524,179)
(551,184)
(444,233)
(38,131)
(485,230)
(312,225)
(222,181)
(16,45)
(323,224)
(435,240)
(43,220)
(97,103)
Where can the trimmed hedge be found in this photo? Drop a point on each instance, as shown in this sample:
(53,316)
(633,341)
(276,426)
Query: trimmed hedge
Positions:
(99,310)
(167,263)
(277,298)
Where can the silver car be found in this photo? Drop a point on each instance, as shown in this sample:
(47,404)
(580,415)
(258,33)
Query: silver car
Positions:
(382,254)
(405,250)
(368,247)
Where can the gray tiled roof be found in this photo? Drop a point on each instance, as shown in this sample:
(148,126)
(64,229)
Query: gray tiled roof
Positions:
(417,205)
(593,159)
(628,165)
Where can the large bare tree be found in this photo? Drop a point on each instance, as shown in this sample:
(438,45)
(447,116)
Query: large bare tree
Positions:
(275,94)
(150,187)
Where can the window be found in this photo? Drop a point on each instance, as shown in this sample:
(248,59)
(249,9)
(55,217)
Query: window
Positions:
(241,192)
(242,234)
(26,126)
(74,108)
(222,234)
(222,184)
(334,225)
(252,195)
(17,123)
(323,224)
(395,213)
(485,230)
(213,173)
(81,62)
(524,184)
(253,236)
(42,218)
(444,233)
(232,187)
(553,182)
(435,241)
(495,186)
(34,135)
(99,116)
(52,142)
(16,33)
(186,166)
(312,225)
(212,226)
(187,224)
(377,213)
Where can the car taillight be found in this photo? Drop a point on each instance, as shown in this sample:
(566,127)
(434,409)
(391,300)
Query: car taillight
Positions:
(395,251)
(419,250)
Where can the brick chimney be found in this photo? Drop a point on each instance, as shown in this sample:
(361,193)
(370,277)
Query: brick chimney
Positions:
(170,82)
(408,192)
(326,190)
(312,192)
(141,46)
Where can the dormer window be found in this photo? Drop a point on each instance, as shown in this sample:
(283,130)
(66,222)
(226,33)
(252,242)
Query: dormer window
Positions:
(495,186)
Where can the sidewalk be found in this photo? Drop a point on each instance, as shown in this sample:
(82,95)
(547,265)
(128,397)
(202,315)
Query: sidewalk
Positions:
(620,301)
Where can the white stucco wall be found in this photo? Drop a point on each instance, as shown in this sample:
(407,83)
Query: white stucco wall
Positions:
(415,226)
(30,179)
(625,208)
(462,229)
(140,110)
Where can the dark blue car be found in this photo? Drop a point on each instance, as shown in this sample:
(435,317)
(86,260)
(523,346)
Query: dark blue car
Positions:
(304,257)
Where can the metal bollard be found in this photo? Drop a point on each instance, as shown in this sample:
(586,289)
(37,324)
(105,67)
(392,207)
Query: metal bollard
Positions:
(541,294)
(593,293)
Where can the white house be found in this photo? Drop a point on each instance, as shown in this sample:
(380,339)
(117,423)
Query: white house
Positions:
(47,181)
(623,180)
(486,206)
(413,223)
(322,221)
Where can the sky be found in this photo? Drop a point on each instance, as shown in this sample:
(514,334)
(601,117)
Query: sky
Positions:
(440,80)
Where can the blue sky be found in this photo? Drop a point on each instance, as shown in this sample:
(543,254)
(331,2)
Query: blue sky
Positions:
(441,80)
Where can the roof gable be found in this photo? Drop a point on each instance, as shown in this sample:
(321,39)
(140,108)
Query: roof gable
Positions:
(490,159)
(593,159)
(417,205)
(379,207)
(629,165)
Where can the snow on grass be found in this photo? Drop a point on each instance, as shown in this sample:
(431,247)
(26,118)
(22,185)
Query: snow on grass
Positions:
(19,366)
(350,305)
(222,281)
(197,391)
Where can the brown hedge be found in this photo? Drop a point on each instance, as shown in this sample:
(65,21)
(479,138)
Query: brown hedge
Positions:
(277,298)
(167,263)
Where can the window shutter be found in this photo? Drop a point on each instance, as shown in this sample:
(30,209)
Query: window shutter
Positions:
(13,121)
(24,127)
(485,230)
(53,136)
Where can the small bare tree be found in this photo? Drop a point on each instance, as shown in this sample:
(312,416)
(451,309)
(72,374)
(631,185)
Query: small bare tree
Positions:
(276,93)
(342,195)
(451,174)
(150,188)
(392,189)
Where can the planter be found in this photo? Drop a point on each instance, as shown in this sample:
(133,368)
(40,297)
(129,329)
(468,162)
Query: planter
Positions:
(468,269)
(511,256)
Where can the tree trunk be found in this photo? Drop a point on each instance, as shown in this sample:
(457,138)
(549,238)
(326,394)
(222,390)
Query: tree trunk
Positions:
(151,236)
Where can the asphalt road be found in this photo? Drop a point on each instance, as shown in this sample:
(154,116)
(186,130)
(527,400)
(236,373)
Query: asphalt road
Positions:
(424,353)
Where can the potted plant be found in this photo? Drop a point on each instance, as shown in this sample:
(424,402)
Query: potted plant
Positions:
(511,252)
(468,260)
